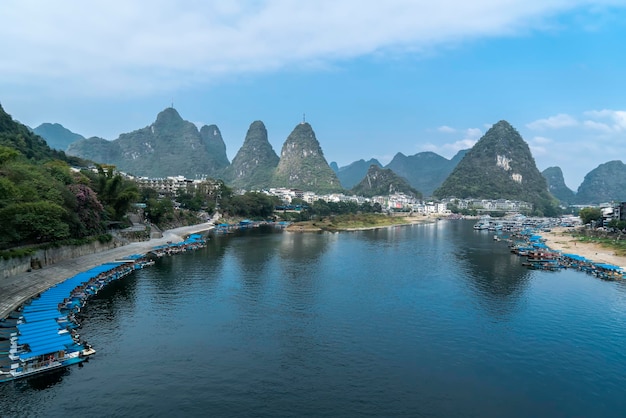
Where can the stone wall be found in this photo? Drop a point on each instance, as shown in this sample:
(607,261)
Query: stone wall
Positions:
(42,258)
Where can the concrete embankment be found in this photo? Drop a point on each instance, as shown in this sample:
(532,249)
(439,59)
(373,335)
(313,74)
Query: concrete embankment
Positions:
(17,289)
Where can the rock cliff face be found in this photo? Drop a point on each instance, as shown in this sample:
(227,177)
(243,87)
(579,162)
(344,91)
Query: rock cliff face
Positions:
(170,146)
(500,166)
(556,185)
(254,164)
(603,184)
(425,171)
(382,181)
(302,164)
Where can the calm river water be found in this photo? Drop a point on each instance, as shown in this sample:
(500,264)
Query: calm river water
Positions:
(426,320)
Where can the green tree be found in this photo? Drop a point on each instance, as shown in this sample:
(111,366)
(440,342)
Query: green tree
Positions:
(33,222)
(591,214)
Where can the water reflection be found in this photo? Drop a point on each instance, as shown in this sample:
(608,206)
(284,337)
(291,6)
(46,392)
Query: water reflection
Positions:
(496,275)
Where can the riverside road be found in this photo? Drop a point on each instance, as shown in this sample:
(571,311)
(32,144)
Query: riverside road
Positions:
(16,290)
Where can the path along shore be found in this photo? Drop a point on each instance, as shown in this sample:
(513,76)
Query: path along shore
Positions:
(16,290)
(561,239)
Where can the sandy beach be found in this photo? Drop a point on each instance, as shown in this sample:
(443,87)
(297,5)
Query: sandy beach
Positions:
(561,239)
(17,289)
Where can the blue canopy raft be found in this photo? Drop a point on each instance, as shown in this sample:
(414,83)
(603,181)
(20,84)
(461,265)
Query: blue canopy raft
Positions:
(41,336)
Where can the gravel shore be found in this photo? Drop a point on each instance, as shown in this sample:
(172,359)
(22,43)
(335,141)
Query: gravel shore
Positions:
(561,239)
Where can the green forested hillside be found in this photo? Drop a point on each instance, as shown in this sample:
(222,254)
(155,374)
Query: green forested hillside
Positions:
(171,146)
(42,200)
(302,164)
(255,162)
(500,166)
(383,181)
(352,174)
(605,183)
(556,185)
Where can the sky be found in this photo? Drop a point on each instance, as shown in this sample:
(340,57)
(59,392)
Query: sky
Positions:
(372,78)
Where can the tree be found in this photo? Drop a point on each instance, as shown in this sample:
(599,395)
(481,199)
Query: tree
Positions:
(33,222)
(116,193)
(589,215)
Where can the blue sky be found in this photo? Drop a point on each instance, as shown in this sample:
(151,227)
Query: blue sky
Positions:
(373,79)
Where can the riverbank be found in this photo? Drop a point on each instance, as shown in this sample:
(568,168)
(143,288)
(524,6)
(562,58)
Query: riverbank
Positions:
(561,239)
(16,290)
(357,225)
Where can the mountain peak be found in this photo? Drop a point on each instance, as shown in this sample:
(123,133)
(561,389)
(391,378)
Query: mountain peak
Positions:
(168,116)
(302,163)
(255,161)
(500,165)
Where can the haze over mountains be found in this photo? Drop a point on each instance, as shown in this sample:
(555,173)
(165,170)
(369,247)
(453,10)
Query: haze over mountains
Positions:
(172,146)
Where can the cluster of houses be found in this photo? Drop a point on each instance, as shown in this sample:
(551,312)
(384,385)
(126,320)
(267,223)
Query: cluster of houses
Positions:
(394,202)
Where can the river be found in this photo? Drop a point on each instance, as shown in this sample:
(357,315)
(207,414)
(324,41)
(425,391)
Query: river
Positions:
(423,320)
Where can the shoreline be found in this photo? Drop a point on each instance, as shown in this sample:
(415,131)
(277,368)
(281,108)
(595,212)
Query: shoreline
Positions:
(560,239)
(17,289)
(305,227)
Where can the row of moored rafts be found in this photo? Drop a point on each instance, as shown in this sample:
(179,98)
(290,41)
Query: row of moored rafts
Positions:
(42,334)
(540,257)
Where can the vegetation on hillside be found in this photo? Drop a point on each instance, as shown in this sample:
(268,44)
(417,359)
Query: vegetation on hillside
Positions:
(500,166)
(352,174)
(170,146)
(255,162)
(383,181)
(302,164)
(605,183)
(42,200)
(424,171)
(557,186)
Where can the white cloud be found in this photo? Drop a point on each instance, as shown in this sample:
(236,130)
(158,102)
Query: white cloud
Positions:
(578,151)
(449,149)
(145,46)
(446,129)
(541,140)
(616,120)
(559,121)
(597,126)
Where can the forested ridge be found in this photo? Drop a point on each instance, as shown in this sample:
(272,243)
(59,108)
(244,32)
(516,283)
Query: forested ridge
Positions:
(42,200)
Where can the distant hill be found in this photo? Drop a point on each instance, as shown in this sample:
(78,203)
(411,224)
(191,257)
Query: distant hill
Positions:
(254,164)
(57,136)
(383,181)
(302,164)
(605,183)
(500,166)
(556,185)
(19,137)
(353,173)
(424,171)
(170,146)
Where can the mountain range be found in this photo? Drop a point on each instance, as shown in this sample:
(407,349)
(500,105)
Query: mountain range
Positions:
(172,146)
